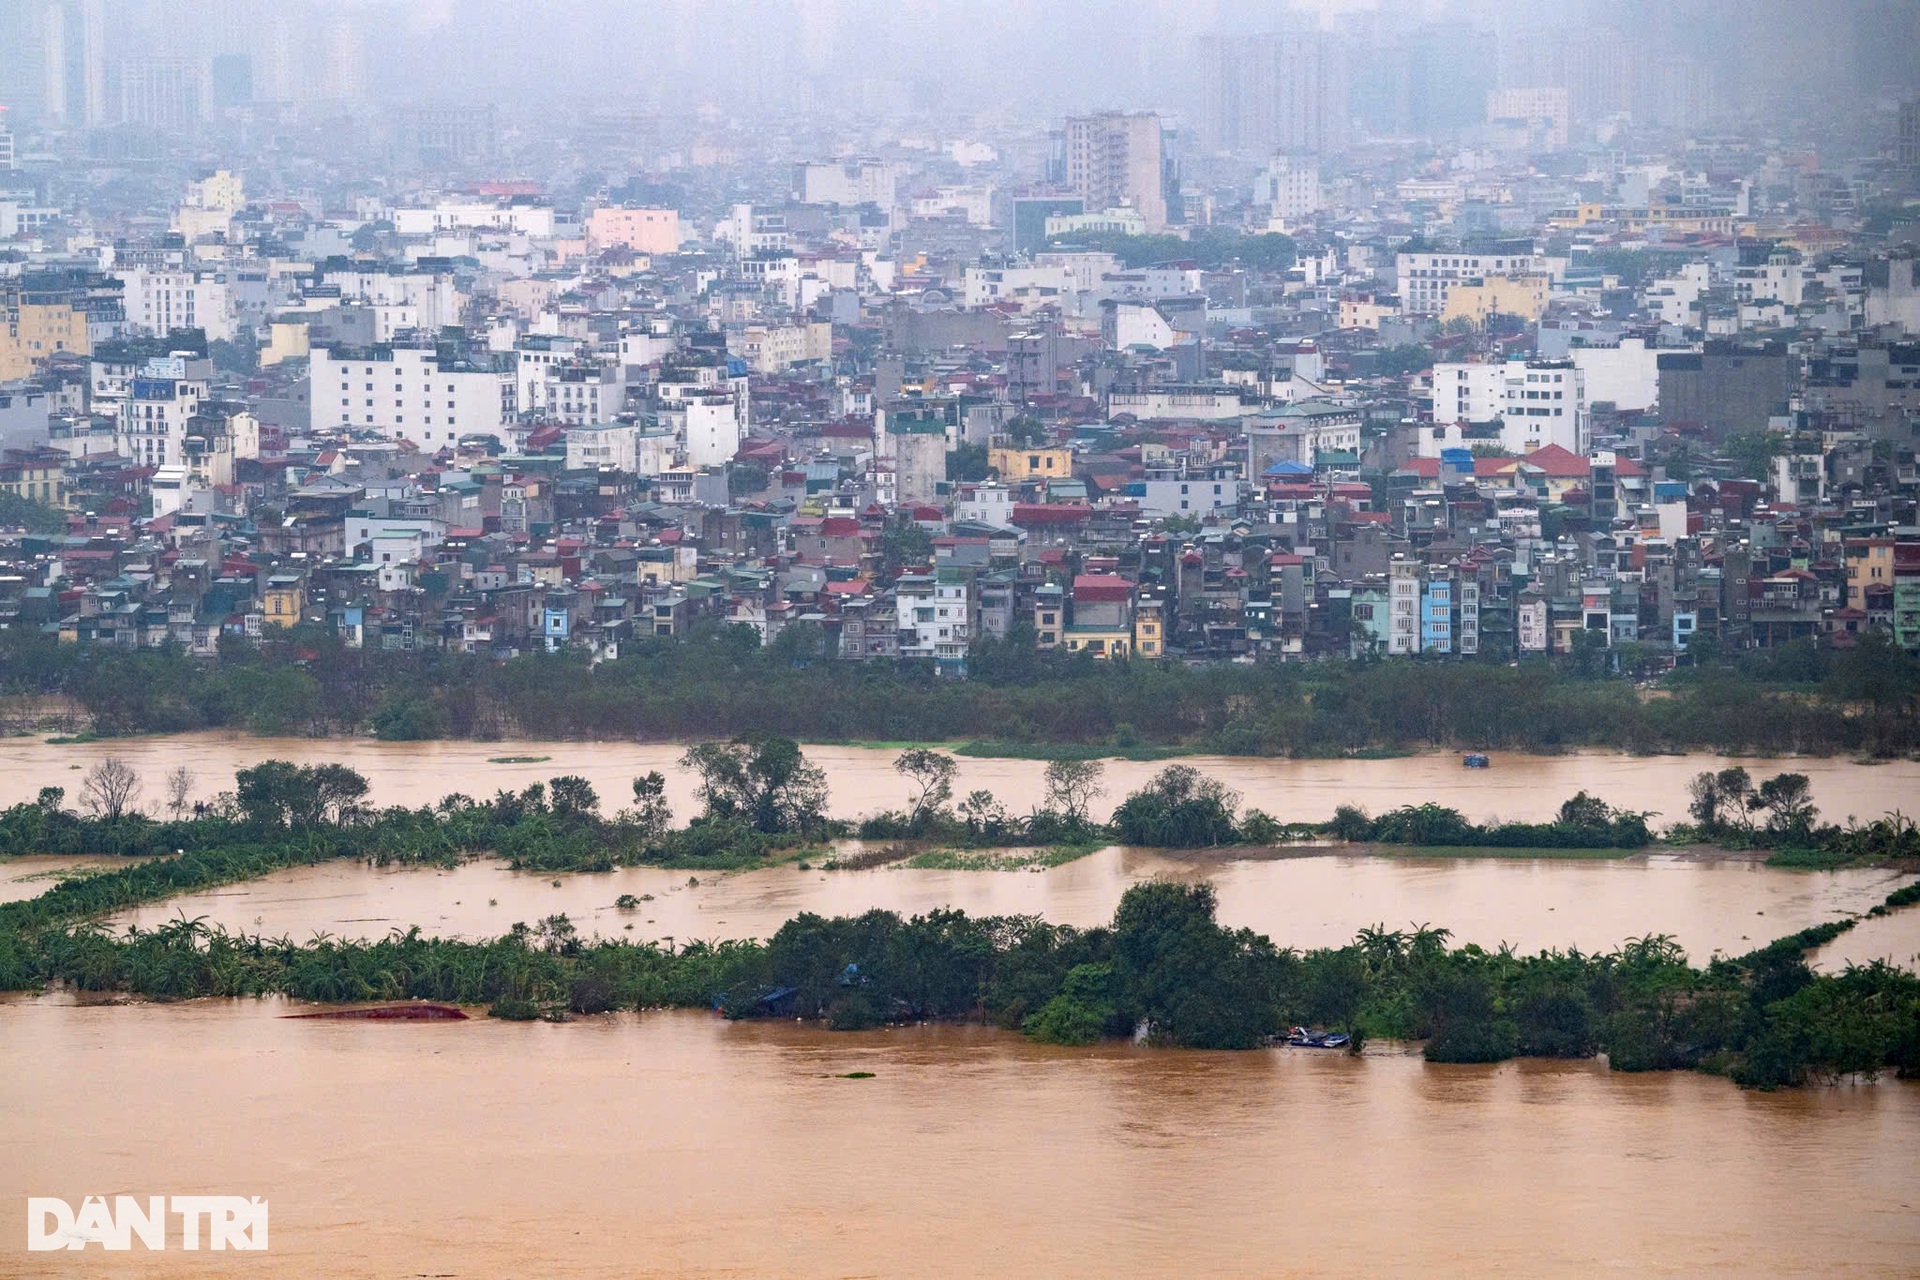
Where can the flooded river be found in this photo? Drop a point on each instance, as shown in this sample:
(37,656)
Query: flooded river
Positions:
(863,779)
(676,1144)
(1303,901)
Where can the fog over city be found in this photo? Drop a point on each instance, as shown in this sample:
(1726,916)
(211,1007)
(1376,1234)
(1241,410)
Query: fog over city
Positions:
(764,58)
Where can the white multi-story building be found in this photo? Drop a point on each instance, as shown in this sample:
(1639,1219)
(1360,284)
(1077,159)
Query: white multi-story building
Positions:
(1530,622)
(160,400)
(1427,275)
(448,215)
(773,348)
(408,392)
(975,204)
(848,182)
(776,272)
(1468,392)
(1545,403)
(707,424)
(536,356)
(1675,299)
(1403,606)
(1537,402)
(629,446)
(1114,159)
(432,297)
(366,530)
(1781,278)
(159,302)
(578,393)
(1541,111)
(1290,188)
(1625,375)
(934,612)
(1028,286)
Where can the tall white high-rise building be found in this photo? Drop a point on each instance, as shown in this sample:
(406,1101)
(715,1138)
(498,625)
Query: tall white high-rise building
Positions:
(1275,91)
(164,93)
(1115,159)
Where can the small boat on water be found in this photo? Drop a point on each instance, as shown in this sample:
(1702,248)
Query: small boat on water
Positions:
(1301,1038)
(1475,760)
(392,1013)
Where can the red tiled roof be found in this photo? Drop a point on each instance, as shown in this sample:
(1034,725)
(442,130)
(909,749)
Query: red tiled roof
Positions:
(1101,587)
(1559,463)
(1026,513)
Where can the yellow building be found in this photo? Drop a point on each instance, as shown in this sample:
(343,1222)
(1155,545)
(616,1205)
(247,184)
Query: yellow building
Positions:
(1102,642)
(1049,616)
(1030,464)
(38,476)
(1869,564)
(284,600)
(287,340)
(1364,313)
(1149,629)
(36,331)
(1475,300)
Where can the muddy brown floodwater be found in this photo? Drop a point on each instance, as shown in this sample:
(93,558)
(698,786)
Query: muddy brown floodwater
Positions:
(863,779)
(676,1144)
(1304,902)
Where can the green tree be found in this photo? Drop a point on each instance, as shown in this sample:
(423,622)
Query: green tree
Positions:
(1073,786)
(1787,799)
(651,813)
(1752,452)
(1585,812)
(932,773)
(1180,808)
(1189,981)
(762,779)
(905,543)
(746,478)
(968,463)
(573,797)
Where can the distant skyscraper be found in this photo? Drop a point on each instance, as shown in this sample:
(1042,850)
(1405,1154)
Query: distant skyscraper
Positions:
(232,80)
(343,76)
(1907,145)
(1281,91)
(1115,159)
(162,93)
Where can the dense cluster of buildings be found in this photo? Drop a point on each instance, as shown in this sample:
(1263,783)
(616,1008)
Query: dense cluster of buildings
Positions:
(1282,386)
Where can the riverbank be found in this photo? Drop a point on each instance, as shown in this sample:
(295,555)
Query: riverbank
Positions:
(724,683)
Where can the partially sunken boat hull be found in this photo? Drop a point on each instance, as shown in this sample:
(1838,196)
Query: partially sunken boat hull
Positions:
(393,1013)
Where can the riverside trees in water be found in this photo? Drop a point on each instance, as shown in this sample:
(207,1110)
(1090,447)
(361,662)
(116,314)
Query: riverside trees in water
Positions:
(1165,970)
(1798,698)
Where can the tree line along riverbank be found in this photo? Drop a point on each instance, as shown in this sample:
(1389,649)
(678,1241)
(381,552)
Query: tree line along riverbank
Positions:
(1164,969)
(1800,698)
(762,800)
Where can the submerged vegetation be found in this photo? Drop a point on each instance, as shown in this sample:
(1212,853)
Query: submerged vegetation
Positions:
(1165,971)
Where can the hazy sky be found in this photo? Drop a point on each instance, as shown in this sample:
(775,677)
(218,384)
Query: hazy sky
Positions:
(763,56)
